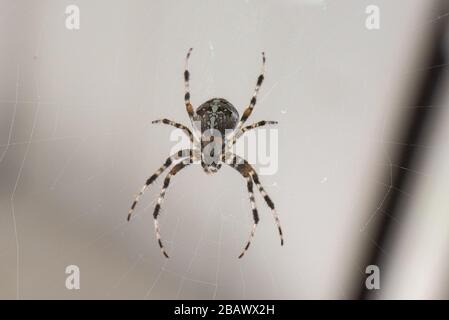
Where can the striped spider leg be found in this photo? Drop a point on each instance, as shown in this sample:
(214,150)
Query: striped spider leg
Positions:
(248,172)
(168,162)
(252,103)
(240,130)
(262,123)
(185,129)
(178,167)
(188,156)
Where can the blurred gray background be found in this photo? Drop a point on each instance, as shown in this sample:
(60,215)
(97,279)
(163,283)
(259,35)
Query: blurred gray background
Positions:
(76,145)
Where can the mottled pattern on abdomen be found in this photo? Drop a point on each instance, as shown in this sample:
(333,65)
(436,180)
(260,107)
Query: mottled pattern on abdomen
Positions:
(217,114)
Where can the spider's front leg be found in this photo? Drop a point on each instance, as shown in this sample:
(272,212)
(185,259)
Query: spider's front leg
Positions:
(178,167)
(252,200)
(246,170)
(179,155)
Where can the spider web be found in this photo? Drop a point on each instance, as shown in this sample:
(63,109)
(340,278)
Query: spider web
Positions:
(73,153)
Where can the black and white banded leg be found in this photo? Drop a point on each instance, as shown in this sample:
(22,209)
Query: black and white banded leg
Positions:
(253,101)
(246,169)
(178,167)
(176,156)
(176,125)
(269,203)
(256,125)
(250,127)
(189,106)
(255,215)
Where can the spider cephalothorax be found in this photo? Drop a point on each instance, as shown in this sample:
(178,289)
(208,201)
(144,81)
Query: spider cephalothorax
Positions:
(216,127)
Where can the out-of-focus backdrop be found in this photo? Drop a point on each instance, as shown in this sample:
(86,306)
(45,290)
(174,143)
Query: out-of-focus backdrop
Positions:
(76,145)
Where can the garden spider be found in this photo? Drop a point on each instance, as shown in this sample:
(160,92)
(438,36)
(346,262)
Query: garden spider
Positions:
(211,122)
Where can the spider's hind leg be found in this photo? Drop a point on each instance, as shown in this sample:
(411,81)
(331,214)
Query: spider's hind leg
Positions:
(253,101)
(189,106)
(251,105)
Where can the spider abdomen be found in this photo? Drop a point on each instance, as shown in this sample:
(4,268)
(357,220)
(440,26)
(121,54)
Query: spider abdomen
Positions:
(217,114)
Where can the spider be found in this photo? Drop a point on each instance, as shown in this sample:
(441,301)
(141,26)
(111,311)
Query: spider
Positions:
(211,123)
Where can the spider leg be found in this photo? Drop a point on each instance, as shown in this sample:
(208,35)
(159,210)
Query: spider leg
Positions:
(255,215)
(243,170)
(250,108)
(253,101)
(247,128)
(177,125)
(269,203)
(180,154)
(256,125)
(236,161)
(178,167)
(189,106)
